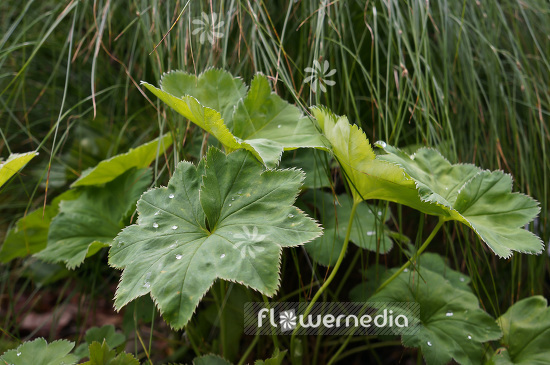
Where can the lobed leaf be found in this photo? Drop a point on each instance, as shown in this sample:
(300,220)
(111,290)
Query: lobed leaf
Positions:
(30,234)
(368,176)
(101,354)
(481,199)
(39,352)
(453,326)
(259,121)
(526,329)
(91,221)
(225,218)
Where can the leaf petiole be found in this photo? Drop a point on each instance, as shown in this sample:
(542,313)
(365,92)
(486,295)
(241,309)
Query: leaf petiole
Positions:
(415,256)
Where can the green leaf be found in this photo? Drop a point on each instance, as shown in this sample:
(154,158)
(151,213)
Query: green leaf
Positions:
(30,234)
(260,122)
(453,326)
(139,157)
(368,176)
(101,354)
(226,218)
(480,199)
(215,89)
(526,329)
(210,359)
(39,352)
(334,215)
(90,222)
(14,163)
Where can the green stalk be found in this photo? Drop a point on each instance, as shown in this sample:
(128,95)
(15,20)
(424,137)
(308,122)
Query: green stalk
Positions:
(328,281)
(414,257)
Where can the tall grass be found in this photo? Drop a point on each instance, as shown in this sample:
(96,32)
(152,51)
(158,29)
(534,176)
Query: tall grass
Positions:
(469,78)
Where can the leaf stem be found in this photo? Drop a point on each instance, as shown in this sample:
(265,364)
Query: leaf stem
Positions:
(328,281)
(415,256)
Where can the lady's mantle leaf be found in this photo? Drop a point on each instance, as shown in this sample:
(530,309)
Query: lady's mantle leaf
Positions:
(260,122)
(30,234)
(139,157)
(481,199)
(225,218)
(526,328)
(39,352)
(101,354)
(14,163)
(452,324)
(90,222)
(368,176)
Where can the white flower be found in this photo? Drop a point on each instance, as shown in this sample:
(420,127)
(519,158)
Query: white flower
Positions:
(208,27)
(319,76)
(287,320)
(248,245)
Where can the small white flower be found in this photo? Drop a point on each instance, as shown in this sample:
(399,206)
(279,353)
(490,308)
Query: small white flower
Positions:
(208,27)
(287,320)
(249,240)
(319,76)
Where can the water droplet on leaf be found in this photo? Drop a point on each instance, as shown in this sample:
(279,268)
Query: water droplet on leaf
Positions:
(178,257)
(291,216)
(155,225)
(222,256)
(449,314)
(371,233)
(171,196)
(469,337)
(429,343)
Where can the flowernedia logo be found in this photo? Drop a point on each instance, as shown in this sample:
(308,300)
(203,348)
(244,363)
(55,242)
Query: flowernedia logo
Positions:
(334,318)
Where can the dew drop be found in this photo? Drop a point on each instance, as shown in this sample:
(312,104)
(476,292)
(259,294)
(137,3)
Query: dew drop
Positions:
(229,204)
(383,145)
(429,343)
(291,216)
(157,212)
(178,257)
(232,199)
(174,227)
(379,213)
(147,285)
(371,233)
(171,196)
(155,225)
(222,256)
(279,126)
(18,354)
(449,314)
(172,245)
(406,270)
(462,279)
(469,337)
